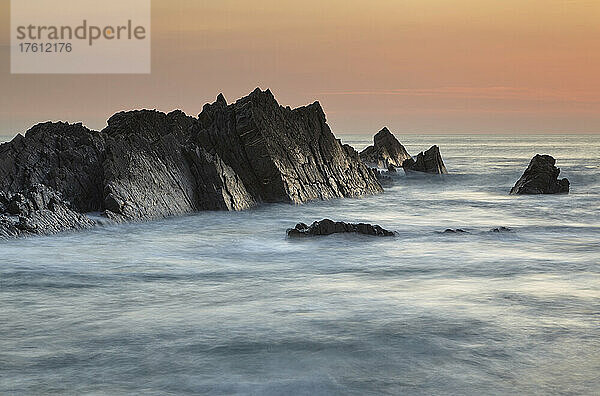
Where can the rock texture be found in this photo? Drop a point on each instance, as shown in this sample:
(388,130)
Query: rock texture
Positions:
(147,164)
(429,161)
(541,177)
(67,158)
(328,227)
(280,154)
(38,210)
(152,169)
(386,151)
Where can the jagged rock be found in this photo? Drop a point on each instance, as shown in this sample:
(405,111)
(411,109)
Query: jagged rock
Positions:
(38,210)
(152,169)
(541,177)
(147,164)
(386,151)
(65,157)
(429,161)
(280,154)
(328,227)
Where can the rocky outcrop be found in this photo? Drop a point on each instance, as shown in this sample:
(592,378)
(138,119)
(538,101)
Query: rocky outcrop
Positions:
(152,169)
(541,177)
(386,151)
(147,164)
(38,210)
(328,227)
(67,158)
(429,161)
(280,154)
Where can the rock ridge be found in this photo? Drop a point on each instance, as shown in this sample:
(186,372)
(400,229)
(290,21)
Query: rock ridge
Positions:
(146,164)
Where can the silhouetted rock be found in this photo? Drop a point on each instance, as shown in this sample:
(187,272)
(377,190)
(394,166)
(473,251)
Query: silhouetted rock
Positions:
(146,164)
(386,151)
(38,210)
(429,161)
(328,227)
(541,177)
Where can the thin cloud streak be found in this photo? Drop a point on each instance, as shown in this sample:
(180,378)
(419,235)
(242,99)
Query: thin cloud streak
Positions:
(498,93)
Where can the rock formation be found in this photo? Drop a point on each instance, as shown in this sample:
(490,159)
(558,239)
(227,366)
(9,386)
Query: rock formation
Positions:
(541,177)
(328,227)
(67,158)
(429,161)
(37,210)
(147,164)
(386,151)
(280,154)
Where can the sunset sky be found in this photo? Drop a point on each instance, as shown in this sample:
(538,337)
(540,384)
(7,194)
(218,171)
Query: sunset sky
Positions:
(417,66)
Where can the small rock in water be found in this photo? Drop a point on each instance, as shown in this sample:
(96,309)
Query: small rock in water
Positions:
(429,161)
(501,229)
(541,177)
(328,227)
(386,151)
(454,231)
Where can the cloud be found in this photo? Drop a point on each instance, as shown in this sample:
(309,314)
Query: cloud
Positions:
(493,93)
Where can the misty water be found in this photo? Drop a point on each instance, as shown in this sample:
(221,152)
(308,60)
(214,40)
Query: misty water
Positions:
(224,303)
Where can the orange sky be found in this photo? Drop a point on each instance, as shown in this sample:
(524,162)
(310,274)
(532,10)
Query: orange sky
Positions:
(417,66)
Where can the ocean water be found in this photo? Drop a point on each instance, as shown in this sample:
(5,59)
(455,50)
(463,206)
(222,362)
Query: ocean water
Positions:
(222,303)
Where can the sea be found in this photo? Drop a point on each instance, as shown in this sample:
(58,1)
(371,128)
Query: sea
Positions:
(222,303)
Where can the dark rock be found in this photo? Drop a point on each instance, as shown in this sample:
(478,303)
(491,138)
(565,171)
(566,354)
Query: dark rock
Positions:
(391,168)
(429,161)
(280,154)
(66,157)
(153,170)
(38,210)
(386,151)
(147,164)
(541,177)
(501,229)
(454,231)
(328,227)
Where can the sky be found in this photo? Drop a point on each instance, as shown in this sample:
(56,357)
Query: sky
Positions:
(416,66)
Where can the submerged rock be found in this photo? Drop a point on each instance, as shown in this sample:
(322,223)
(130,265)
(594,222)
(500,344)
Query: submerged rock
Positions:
(328,227)
(541,177)
(429,161)
(147,164)
(501,229)
(454,231)
(38,210)
(386,151)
